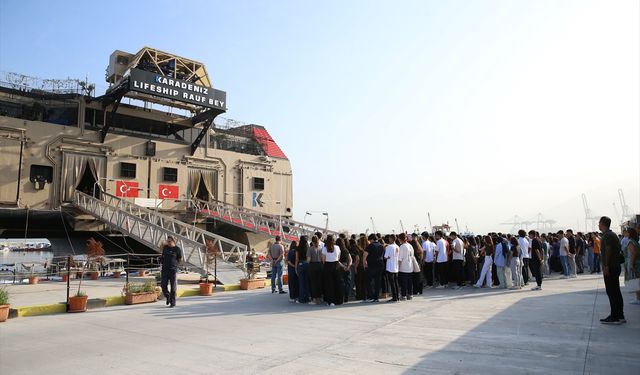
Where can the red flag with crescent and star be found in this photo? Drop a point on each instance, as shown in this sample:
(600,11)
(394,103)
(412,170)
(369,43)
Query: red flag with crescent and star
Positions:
(128,189)
(168,191)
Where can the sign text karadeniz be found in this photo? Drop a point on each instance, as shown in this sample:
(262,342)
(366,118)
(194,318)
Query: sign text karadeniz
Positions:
(176,89)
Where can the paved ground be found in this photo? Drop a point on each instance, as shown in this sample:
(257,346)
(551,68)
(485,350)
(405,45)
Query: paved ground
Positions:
(554,331)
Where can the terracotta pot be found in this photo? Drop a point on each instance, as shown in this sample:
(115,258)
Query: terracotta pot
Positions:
(206,289)
(33,279)
(246,284)
(4,312)
(136,298)
(78,304)
(116,274)
(65,277)
(95,275)
(285,279)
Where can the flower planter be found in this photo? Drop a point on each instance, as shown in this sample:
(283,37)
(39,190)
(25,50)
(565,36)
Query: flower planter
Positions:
(65,277)
(77,304)
(136,298)
(33,280)
(116,274)
(246,284)
(206,289)
(4,312)
(95,275)
(285,279)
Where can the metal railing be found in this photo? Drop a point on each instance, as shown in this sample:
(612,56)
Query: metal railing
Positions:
(255,221)
(150,228)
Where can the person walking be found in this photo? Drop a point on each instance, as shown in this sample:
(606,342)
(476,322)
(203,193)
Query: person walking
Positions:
(276,254)
(314,257)
(611,253)
(457,247)
(170,259)
(537,259)
(487,251)
(392,254)
(374,266)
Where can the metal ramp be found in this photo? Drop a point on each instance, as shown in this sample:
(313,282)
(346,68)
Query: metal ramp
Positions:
(255,221)
(150,227)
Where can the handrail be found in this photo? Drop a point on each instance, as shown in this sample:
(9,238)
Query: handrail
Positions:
(256,221)
(150,227)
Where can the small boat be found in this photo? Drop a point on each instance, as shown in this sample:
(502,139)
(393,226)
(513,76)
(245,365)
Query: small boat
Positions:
(25,244)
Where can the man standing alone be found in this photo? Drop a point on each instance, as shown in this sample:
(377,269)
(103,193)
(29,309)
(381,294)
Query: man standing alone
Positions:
(276,253)
(611,250)
(170,258)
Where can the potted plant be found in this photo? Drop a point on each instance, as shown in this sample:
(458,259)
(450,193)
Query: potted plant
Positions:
(33,278)
(135,293)
(4,304)
(252,267)
(95,256)
(78,302)
(210,258)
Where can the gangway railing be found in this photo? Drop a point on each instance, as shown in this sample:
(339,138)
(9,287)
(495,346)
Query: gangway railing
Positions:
(150,227)
(258,222)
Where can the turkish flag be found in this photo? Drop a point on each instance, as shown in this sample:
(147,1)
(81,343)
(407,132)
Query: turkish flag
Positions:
(168,191)
(127,189)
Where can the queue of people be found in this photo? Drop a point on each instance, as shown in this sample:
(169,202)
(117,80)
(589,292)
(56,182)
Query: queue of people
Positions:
(333,271)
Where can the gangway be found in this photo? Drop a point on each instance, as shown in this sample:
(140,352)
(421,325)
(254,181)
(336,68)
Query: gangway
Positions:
(258,222)
(150,228)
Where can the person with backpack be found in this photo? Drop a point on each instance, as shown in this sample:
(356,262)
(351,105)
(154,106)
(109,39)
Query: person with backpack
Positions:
(611,252)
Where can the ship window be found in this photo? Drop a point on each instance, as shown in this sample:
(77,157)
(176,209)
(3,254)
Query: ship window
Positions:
(258,183)
(38,172)
(170,174)
(128,170)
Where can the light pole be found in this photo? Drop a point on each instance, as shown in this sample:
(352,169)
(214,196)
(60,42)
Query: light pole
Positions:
(304,221)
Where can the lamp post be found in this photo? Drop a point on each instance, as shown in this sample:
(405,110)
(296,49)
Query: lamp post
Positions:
(304,221)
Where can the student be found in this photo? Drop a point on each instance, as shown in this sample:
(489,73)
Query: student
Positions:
(596,253)
(344,282)
(405,276)
(374,266)
(314,257)
(500,261)
(331,272)
(536,259)
(632,259)
(360,277)
(516,264)
(487,251)
(302,269)
(572,254)
(416,276)
(526,256)
(611,251)
(294,292)
(457,247)
(391,254)
(429,249)
(564,254)
(442,260)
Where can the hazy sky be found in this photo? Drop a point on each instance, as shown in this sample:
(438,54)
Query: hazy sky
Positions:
(475,110)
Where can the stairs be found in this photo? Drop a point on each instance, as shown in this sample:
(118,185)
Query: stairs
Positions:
(150,228)
(257,222)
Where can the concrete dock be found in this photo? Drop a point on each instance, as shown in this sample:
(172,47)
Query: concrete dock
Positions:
(468,331)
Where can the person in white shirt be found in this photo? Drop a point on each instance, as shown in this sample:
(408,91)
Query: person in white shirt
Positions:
(405,268)
(429,251)
(392,254)
(442,260)
(487,250)
(525,246)
(457,247)
(564,254)
(331,275)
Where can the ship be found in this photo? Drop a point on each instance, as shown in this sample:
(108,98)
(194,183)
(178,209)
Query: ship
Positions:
(152,157)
